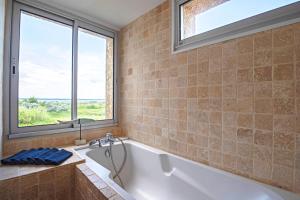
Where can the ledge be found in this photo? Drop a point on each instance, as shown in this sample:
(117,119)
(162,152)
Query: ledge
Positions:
(14,171)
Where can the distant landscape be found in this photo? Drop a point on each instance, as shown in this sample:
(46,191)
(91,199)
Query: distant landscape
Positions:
(36,111)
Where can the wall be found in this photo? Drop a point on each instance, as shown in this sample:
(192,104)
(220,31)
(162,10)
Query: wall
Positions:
(2,13)
(233,105)
(52,184)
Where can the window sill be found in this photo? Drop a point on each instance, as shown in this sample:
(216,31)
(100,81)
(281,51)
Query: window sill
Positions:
(56,131)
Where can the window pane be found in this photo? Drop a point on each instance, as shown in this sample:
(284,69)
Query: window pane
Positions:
(202,16)
(45,71)
(95,76)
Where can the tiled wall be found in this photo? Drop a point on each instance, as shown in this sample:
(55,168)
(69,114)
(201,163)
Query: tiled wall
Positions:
(53,184)
(233,105)
(56,140)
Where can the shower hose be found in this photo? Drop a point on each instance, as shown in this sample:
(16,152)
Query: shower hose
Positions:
(117,172)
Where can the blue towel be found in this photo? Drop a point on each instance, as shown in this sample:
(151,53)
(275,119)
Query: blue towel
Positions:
(40,156)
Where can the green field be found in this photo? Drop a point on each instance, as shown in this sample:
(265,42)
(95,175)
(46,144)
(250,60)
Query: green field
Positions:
(33,111)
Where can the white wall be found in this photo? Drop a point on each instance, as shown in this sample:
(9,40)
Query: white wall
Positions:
(2,13)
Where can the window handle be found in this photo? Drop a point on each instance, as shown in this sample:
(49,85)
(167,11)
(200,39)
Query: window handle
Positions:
(13,69)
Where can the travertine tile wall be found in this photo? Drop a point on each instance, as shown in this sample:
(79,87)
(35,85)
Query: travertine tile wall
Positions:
(53,184)
(233,105)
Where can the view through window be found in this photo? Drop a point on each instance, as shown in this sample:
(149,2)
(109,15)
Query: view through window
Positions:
(45,71)
(198,16)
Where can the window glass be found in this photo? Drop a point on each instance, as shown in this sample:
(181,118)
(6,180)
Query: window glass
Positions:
(199,16)
(45,71)
(95,76)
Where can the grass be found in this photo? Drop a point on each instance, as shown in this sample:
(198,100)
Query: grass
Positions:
(33,112)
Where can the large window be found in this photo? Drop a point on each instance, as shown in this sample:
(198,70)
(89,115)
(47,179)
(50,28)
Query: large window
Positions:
(197,22)
(61,70)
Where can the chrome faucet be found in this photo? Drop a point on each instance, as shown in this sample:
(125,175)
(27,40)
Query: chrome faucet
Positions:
(107,139)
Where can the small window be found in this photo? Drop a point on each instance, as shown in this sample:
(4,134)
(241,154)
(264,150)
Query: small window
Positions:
(198,23)
(61,70)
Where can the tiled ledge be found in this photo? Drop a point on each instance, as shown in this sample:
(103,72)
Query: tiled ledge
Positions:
(9,172)
(89,186)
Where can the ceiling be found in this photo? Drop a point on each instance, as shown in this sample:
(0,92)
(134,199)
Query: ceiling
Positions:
(113,13)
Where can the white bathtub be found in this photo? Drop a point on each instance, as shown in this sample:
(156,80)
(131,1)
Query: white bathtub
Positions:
(152,174)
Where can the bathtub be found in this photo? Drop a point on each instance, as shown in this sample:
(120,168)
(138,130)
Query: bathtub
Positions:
(152,174)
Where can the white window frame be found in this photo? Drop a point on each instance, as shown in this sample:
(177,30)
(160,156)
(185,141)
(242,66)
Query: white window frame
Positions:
(11,72)
(275,18)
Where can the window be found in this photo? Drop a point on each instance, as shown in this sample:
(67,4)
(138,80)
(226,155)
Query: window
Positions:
(61,70)
(197,23)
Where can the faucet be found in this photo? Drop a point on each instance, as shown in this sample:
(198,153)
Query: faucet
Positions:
(107,139)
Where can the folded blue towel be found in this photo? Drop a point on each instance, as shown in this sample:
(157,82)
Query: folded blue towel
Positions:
(40,156)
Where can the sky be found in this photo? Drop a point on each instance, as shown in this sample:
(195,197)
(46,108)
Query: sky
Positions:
(45,61)
(235,10)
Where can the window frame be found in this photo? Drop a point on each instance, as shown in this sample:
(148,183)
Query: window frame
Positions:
(268,20)
(11,79)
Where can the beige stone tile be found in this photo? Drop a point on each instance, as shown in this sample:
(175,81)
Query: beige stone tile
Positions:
(245,75)
(229,133)
(229,63)
(215,65)
(245,44)
(245,150)
(203,67)
(283,36)
(215,131)
(262,153)
(245,120)
(230,119)
(283,89)
(229,161)
(283,176)
(245,90)
(215,91)
(262,58)
(264,106)
(245,60)
(229,146)
(215,157)
(283,123)
(245,105)
(229,77)
(284,106)
(229,105)
(262,170)
(215,117)
(229,48)
(285,158)
(229,91)
(283,55)
(192,56)
(263,74)
(263,89)
(283,72)
(245,135)
(264,138)
(284,141)
(215,144)
(245,166)
(264,121)
(263,40)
